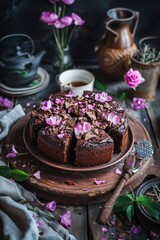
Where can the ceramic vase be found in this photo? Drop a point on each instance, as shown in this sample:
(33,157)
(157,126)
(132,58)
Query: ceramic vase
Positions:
(117,43)
(63,60)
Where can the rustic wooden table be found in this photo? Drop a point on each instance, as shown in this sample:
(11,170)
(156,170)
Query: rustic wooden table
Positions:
(84,225)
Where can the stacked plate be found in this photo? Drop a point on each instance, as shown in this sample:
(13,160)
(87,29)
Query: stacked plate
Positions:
(39,83)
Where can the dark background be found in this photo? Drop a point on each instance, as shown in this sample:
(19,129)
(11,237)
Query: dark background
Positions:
(22,16)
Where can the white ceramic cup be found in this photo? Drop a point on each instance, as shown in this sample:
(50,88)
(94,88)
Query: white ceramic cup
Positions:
(76,80)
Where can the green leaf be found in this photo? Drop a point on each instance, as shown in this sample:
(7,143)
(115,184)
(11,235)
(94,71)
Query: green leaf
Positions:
(122,96)
(19,175)
(154,213)
(144,201)
(131,196)
(130,212)
(5,171)
(122,203)
(99,85)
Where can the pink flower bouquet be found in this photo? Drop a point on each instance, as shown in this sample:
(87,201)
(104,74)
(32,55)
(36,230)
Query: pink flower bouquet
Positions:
(63,25)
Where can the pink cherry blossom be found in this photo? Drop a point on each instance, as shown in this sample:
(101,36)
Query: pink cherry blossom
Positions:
(86,127)
(81,128)
(53,120)
(59,101)
(77,19)
(78,129)
(46,105)
(103,97)
(51,206)
(90,106)
(112,117)
(133,78)
(65,219)
(138,103)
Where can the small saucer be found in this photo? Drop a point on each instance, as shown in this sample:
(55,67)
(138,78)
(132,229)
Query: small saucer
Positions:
(39,83)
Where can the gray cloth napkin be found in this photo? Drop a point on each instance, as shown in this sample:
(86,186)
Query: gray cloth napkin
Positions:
(8,118)
(17,222)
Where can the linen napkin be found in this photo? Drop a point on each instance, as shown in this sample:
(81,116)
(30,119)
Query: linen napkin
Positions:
(8,118)
(17,222)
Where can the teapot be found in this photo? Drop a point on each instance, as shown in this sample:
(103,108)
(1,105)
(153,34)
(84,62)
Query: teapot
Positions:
(18,65)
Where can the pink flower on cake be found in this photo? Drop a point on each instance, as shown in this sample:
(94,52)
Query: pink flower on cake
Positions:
(65,219)
(133,78)
(53,121)
(138,103)
(103,97)
(61,135)
(86,127)
(59,101)
(78,129)
(112,117)
(82,128)
(46,105)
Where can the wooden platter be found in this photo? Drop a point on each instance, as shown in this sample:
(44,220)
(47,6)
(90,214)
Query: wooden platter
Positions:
(71,186)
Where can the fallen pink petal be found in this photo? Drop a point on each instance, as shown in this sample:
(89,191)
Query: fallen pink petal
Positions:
(138,104)
(135,229)
(65,219)
(51,206)
(104,229)
(118,171)
(98,182)
(37,175)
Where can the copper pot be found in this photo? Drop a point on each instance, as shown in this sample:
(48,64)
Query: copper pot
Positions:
(150,72)
(117,42)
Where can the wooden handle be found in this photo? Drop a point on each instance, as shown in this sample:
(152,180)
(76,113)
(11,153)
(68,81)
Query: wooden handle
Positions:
(107,208)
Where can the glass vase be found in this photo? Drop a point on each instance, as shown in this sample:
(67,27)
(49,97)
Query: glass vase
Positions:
(63,60)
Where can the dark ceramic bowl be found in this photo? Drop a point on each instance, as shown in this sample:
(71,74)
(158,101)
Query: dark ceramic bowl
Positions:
(143,216)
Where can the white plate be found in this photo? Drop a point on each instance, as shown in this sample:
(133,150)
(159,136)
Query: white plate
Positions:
(38,84)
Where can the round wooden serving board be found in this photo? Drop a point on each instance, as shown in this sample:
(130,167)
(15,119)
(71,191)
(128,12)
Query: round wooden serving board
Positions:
(71,185)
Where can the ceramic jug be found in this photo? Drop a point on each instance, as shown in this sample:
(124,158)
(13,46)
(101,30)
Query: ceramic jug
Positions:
(117,42)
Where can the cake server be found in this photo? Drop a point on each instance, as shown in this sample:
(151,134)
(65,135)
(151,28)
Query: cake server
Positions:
(142,150)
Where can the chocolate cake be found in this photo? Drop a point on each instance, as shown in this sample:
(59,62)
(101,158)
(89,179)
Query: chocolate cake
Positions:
(84,131)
